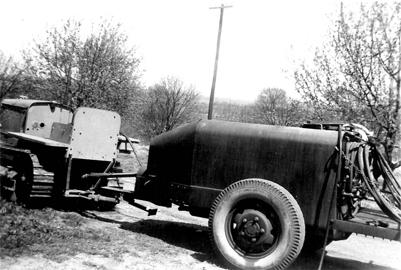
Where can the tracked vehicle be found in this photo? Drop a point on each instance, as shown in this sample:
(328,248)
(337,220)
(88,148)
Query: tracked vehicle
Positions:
(47,150)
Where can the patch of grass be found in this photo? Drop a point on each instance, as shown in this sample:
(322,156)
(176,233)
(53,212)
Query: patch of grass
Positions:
(58,235)
(129,162)
(54,234)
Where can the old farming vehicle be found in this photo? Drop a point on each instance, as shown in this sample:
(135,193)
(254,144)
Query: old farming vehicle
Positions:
(268,191)
(47,152)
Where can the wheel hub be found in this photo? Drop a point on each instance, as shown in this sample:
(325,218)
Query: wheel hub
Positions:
(252,231)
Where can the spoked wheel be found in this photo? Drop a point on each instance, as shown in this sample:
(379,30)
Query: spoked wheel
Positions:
(256,224)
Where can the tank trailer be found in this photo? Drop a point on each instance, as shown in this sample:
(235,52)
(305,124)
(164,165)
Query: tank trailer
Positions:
(267,191)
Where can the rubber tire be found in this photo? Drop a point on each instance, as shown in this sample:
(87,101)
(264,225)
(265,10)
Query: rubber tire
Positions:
(292,224)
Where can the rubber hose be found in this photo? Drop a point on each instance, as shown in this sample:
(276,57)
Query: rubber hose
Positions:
(363,152)
(388,177)
(388,170)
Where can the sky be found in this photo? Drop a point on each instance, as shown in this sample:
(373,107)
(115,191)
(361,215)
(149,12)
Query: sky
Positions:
(262,41)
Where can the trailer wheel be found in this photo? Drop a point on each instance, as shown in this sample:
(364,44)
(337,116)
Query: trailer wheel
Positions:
(256,224)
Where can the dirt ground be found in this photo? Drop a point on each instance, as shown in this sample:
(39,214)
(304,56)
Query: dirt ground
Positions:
(177,240)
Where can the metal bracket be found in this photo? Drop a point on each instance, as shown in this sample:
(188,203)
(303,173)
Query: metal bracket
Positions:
(129,198)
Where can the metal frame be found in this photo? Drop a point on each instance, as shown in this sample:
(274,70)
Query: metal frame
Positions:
(369,230)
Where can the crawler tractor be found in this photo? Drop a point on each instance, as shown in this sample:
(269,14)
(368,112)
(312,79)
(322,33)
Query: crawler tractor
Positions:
(48,151)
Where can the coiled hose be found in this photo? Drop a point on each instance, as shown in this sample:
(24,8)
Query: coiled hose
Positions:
(370,164)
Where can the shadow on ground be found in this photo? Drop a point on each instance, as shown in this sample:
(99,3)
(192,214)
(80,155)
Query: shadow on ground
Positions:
(188,236)
(311,261)
(195,238)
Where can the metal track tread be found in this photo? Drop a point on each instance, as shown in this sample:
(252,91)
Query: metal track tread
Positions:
(42,182)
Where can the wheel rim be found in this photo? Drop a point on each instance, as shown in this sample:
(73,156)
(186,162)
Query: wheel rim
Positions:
(253,228)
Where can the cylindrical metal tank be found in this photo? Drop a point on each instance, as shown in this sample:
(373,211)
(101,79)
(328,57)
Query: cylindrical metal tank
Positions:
(202,158)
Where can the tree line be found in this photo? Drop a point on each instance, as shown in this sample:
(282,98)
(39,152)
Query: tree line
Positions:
(354,76)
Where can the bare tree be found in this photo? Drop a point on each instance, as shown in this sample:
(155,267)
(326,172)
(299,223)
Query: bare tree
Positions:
(270,106)
(166,105)
(10,76)
(273,107)
(356,75)
(99,70)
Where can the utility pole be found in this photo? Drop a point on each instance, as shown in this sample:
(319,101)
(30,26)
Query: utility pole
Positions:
(211,101)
